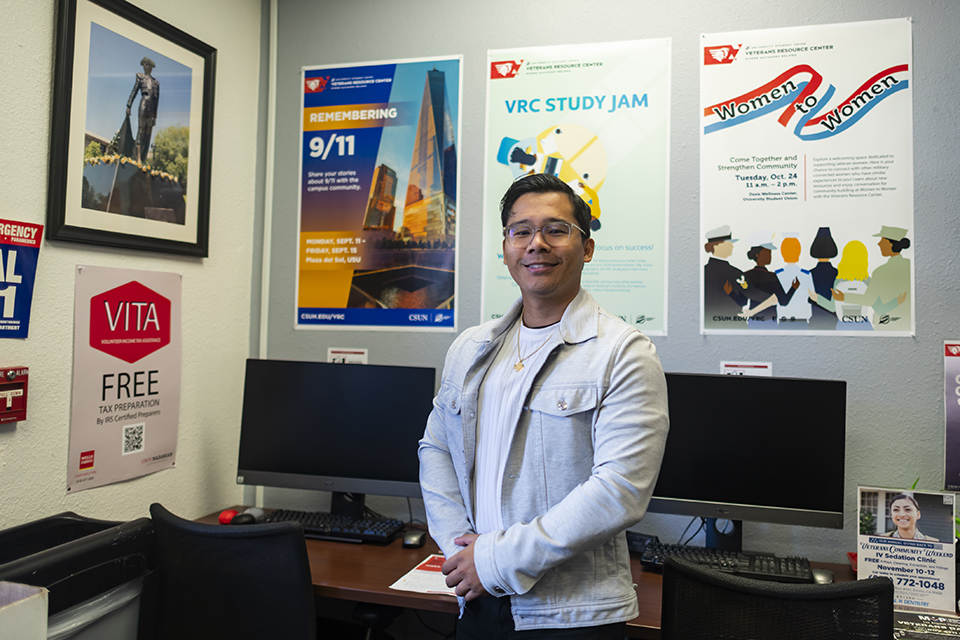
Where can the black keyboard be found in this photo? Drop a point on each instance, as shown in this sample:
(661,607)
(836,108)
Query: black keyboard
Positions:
(747,564)
(326,526)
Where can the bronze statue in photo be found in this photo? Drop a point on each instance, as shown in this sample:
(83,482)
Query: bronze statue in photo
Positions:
(149,88)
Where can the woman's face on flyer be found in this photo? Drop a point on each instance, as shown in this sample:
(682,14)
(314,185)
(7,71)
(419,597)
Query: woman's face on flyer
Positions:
(904,514)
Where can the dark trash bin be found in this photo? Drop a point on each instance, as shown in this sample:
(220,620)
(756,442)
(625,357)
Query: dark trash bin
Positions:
(93,569)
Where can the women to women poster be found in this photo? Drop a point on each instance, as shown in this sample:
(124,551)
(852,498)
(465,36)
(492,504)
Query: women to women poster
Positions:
(806,180)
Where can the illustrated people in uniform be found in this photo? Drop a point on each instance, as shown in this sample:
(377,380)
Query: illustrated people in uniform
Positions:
(795,314)
(763,286)
(889,290)
(824,274)
(149,88)
(721,309)
(853,276)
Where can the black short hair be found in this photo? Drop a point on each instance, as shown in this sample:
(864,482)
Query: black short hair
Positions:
(899,245)
(823,247)
(545,183)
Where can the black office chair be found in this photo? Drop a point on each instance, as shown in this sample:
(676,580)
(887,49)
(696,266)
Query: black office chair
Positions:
(244,582)
(701,603)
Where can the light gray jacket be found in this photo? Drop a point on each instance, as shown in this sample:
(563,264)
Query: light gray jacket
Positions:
(582,463)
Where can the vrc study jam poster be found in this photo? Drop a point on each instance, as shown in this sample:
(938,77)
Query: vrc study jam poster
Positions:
(379,181)
(598,117)
(806,180)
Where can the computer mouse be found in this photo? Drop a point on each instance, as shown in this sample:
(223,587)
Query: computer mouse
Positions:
(414,539)
(822,576)
(244,518)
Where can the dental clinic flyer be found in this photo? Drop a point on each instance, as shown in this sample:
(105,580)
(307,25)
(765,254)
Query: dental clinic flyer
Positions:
(379,182)
(598,117)
(806,181)
(908,536)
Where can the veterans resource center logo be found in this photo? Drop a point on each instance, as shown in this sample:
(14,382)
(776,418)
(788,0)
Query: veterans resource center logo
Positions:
(724,54)
(505,69)
(315,85)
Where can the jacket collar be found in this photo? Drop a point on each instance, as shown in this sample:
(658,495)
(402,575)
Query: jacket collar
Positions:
(578,324)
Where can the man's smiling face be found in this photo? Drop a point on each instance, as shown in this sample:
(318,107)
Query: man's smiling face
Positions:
(547,274)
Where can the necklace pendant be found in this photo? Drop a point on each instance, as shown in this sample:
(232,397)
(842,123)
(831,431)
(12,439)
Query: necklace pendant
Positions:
(518,366)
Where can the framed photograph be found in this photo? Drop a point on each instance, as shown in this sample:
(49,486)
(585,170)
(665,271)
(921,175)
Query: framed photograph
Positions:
(132,131)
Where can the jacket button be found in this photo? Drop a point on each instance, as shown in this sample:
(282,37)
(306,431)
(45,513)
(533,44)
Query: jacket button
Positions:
(562,405)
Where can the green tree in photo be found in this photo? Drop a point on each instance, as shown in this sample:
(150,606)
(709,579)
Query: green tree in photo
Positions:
(93,150)
(868,523)
(171,147)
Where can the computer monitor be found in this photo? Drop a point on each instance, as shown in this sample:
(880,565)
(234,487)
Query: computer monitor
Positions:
(351,429)
(753,448)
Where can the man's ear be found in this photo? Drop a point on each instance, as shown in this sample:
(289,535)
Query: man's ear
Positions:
(588,246)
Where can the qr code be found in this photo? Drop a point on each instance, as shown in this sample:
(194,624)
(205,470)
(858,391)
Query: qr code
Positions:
(133,438)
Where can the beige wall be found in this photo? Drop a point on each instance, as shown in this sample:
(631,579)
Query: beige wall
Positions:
(216,290)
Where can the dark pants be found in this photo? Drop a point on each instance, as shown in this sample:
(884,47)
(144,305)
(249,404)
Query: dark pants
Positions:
(488,618)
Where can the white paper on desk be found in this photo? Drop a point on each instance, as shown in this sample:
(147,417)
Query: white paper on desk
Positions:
(426,577)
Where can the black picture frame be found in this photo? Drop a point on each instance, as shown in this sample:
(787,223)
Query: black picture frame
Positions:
(128,212)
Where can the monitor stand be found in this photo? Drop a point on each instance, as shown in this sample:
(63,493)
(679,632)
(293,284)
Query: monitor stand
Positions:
(727,537)
(349,505)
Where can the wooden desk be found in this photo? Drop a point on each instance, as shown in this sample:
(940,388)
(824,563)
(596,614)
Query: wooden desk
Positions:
(364,573)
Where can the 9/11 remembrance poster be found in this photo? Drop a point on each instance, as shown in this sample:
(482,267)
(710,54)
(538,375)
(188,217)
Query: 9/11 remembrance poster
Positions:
(807,181)
(379,180)
(598,117)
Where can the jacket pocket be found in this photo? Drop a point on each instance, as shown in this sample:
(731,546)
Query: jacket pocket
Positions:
(561,420)
(562,403)
(448,399)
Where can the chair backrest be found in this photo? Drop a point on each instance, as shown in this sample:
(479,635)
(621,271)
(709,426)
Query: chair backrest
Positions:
(699,602)
(237,581)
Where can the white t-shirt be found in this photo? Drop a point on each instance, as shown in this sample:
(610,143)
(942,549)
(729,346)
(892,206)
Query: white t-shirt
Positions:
(499,406)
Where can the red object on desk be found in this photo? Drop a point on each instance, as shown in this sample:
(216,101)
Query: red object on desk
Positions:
(852,556)
(227,515)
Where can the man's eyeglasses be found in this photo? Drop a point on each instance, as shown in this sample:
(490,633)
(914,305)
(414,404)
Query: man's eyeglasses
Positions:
(555,234)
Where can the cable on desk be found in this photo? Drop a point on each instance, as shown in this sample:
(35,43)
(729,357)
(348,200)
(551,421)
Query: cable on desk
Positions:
(411,521)
(703,523)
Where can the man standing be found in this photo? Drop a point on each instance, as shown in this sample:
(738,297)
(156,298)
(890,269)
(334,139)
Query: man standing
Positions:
(545,441)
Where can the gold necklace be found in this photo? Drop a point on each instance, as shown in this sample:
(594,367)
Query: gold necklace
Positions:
(521,358)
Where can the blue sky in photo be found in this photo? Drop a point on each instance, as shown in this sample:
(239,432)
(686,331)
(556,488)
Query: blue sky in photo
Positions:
(114,65)
(396,143)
